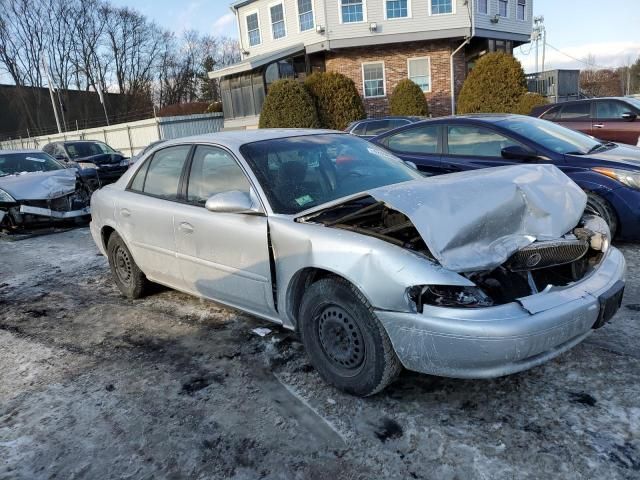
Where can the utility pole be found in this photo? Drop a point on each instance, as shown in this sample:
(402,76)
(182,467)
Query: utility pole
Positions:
(539,32)
(53,101)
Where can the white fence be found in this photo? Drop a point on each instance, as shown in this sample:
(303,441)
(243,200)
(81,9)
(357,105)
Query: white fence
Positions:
(130,138)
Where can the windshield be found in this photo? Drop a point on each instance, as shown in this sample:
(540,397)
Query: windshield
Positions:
(298,173)
(14,163)
(551,135)
(87,149)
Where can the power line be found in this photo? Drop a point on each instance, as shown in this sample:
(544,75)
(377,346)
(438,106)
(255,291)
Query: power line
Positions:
(584,62)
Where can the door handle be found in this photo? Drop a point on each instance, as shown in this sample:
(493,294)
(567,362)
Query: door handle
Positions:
(186,227)
(598,125)
(125,212)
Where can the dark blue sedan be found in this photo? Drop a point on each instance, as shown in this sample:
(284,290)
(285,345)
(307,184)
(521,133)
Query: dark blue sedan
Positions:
(608,172)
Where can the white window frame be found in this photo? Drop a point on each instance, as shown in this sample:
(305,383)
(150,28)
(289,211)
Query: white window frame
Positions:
(526,5)
(364,13)
(313,14)
(428,59)
(480,11)
(498,12)
(246,26)
(453,9)
(284,19)
(384,79)
(384,7)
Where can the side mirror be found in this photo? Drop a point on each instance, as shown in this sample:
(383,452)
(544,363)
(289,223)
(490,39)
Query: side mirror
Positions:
(233,202)
(629,116)
(516,152)
(411,164)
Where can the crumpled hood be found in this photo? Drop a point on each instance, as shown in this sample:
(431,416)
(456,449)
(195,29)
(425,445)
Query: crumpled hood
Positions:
(101,158)
(475,220)
(40,185)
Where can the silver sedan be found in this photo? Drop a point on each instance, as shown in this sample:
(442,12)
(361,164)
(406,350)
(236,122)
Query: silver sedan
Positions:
(471,275)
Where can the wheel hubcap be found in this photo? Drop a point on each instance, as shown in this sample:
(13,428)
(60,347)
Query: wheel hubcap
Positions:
(341,338)
(122,264)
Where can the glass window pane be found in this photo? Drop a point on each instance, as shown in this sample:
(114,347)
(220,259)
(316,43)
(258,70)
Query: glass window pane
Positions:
(214,171)
(503,8)
(521,9)
(352,11)
(253,29)
(551,114)
(138,181)
(164,173)
(419,73)
(611,110)
(576,111)
(397,9)
(377,127)
(439,7)
(483,6)
(422,139)
(373,80)
(476,141)
(305,12)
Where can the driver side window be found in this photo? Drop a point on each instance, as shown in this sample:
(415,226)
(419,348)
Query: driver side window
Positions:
(214,171)
(473,141)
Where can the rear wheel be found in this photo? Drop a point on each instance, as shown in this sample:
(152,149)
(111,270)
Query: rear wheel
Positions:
(128,277)
(601,207)
(344,340)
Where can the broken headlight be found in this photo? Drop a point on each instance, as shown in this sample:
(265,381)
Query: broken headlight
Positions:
(87,166)
(5,197)
(451,296)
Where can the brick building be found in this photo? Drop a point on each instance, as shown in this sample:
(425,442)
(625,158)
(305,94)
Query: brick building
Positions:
(376,43)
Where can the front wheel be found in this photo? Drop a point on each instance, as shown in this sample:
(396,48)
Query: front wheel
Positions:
(602,208)
(344,340)
(128,277)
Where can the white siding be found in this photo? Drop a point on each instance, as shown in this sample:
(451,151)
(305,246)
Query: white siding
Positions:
(508,24)
(294,36)
(420,20)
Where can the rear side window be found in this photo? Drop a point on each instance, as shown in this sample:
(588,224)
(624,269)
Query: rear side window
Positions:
(377,127)
(576,111)
(163,174)
(360,129)
(423,139)
(214,171)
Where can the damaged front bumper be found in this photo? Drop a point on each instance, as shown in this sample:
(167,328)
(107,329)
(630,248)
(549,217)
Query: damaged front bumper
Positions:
(496,341)
(47,212)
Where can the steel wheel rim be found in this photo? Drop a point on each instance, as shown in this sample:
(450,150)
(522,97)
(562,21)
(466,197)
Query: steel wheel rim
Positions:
(341,339)
(122,265)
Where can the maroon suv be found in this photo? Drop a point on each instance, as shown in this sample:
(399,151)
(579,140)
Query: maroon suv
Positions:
(612,119)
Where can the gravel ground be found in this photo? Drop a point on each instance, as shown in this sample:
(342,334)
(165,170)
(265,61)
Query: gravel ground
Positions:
(96,386)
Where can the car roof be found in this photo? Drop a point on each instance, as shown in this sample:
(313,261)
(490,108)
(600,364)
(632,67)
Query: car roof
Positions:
(236,138)
(485,117)
(20,151)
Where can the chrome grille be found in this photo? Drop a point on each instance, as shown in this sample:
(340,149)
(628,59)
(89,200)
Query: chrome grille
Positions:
(548,254)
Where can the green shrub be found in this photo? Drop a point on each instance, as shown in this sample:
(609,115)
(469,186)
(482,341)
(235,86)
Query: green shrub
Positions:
(336,99)
(408,99)
(288,105)
(529,101)
(495,85)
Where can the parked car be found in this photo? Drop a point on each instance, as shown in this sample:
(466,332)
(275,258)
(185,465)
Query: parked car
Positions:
(35,189)
(372,127)
(110,164)
(374,265)
(608,172)
(614,119)
(144,151)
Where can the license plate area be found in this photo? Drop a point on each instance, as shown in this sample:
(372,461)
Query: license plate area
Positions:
(610,303)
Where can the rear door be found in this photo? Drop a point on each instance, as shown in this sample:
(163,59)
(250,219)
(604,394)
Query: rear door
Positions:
(577,116)
(420,145)
(609,124)
(223,256)
(146,212)
(468,147)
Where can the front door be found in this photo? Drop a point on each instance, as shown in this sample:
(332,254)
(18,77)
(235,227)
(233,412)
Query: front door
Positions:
(610,125)
(146,212)
(223,256)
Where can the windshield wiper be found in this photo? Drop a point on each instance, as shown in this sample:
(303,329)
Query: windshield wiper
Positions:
(601,145)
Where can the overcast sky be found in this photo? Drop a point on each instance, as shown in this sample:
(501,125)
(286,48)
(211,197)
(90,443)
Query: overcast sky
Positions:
(609,29)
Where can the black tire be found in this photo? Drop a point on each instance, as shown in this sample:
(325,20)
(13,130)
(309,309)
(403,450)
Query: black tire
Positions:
(344,340)
(601,207)
(128,277)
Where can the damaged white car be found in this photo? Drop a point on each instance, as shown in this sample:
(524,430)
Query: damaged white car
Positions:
(36,190)
(471,275)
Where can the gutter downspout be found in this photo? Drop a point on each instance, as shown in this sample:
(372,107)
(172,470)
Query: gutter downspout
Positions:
(466,42)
